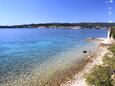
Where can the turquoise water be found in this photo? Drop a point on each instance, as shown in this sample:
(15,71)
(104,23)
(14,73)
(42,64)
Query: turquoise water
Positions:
(27,53)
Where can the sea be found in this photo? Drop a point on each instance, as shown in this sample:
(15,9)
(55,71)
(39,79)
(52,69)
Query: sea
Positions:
(30,56)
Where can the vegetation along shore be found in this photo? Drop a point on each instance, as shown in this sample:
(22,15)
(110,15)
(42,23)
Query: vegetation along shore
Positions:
(99,70)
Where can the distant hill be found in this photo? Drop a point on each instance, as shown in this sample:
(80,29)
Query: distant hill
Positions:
(62,25)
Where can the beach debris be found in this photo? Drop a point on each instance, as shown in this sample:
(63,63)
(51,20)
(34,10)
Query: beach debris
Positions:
(84,51)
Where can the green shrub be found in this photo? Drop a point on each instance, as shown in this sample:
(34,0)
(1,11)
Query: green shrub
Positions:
(99,76)
(113,32)
(112,49)
(103,75)
(110,61)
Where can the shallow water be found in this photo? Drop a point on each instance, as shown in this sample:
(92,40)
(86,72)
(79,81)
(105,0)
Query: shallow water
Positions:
(38,53)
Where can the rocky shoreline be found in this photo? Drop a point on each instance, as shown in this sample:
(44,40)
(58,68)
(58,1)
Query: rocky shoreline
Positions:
(95,59)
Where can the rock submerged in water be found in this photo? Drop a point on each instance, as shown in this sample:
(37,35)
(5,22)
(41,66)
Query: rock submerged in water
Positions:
(84,51)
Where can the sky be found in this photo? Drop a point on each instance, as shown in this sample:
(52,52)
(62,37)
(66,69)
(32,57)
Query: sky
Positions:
(14,12)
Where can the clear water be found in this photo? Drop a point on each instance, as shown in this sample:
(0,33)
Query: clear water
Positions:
(33,51)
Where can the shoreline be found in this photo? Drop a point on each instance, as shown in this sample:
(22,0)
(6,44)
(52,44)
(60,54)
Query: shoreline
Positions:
(96,59)
(68,75)
(72,76)
(54,79)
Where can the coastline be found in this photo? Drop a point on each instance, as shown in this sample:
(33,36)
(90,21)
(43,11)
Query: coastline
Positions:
(95,59)
(57,77)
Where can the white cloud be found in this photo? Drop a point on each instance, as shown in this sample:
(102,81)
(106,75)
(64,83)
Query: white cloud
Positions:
(110,21)
(111,1)
(110,13)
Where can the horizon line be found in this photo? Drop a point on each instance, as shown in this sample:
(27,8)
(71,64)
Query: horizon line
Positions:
(55,23)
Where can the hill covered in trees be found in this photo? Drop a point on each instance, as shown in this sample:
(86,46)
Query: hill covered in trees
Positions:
(61,25)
